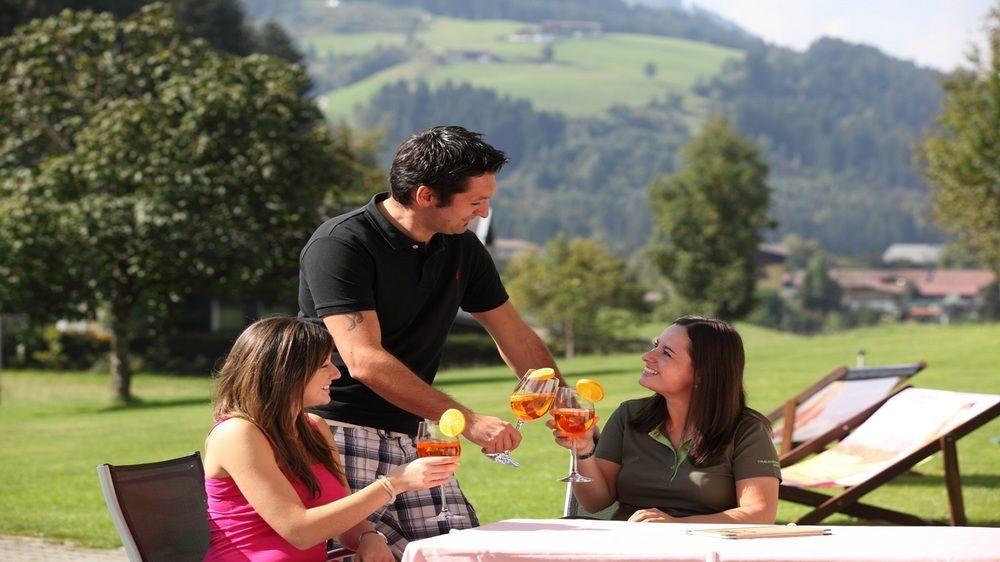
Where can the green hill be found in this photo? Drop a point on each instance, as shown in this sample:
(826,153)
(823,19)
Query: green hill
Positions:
(586,76)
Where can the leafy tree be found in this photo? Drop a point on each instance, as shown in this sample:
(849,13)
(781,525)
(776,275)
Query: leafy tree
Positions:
(548,53)
(220,22)
(137,164)
(800,251)
(272,40)
(649,69)
(962,155)
(708,219)
(568,284)
(819,291)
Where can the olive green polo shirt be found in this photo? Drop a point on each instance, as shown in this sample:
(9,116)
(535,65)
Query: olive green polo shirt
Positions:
(653,474)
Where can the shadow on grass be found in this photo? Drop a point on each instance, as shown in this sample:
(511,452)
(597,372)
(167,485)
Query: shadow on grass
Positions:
(140,404)
(990,481)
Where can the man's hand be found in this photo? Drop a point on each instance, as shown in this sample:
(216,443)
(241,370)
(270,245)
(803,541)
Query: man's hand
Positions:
(492,434)
(651,515)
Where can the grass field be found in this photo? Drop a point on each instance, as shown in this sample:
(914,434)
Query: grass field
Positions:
(586,76)
(54,427)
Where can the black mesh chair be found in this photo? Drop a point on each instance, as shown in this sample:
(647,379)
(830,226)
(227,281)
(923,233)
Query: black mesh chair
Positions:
(159,508)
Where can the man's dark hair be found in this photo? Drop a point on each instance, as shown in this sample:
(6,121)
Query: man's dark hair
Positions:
(442,158)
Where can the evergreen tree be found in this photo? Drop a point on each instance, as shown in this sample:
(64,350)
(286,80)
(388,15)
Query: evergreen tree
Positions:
(708,220)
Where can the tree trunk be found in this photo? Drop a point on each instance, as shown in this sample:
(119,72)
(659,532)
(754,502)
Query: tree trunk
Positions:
(570,339)
(121,369)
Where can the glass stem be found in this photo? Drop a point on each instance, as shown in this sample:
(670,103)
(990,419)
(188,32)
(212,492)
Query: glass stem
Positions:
(444,504)
(573,456)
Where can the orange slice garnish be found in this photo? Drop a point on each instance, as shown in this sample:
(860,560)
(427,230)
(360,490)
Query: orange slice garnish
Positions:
(590,390)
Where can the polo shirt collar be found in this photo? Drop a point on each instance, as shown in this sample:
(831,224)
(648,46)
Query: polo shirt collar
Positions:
(679,456)
(394,236)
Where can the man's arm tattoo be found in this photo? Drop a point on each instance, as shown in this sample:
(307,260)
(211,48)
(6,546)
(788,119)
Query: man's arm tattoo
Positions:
(355,318)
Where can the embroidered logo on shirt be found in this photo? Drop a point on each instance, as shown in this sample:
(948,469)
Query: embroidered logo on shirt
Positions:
(775,464)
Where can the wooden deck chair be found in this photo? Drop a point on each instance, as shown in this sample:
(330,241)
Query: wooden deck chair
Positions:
(834,399)
(911,426)
(160,509)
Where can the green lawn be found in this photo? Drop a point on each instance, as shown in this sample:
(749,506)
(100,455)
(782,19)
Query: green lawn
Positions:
(586,77)
(54,428)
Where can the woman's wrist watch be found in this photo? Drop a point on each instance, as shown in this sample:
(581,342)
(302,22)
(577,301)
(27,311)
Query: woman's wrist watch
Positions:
(373,532)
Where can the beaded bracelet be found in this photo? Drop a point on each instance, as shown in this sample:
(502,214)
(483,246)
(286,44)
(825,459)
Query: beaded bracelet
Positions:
(389,488)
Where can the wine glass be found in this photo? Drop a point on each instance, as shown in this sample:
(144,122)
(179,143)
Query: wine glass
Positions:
(530,400)
(430,442)
(573,415)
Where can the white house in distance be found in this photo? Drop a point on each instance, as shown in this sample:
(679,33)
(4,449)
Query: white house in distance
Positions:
(913,254)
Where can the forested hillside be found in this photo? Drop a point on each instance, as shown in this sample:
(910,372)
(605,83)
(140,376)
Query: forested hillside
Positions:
(591,121)
(839,122)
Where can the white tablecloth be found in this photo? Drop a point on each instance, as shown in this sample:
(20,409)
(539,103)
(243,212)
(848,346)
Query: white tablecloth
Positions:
(586,540)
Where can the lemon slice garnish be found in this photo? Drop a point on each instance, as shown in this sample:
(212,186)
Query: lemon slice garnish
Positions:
(452,422)
(542,374)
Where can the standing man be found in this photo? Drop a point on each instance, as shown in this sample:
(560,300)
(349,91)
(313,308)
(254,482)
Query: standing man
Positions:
(387,280)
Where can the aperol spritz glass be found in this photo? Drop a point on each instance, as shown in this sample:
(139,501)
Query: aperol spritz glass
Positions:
(573,415)
(431,442)
(530,400)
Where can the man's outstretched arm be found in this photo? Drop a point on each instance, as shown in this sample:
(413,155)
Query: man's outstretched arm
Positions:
(358,338)
(519,345)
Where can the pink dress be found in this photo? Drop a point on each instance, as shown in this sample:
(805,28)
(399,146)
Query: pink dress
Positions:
(239,534)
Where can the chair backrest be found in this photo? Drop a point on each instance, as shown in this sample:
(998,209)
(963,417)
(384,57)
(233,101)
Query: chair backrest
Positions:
(159,508)
(905,423)
(842,395)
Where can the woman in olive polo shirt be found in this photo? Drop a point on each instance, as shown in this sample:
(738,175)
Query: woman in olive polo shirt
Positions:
(693,451)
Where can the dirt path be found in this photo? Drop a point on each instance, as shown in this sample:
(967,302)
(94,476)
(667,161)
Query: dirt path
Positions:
(24,549)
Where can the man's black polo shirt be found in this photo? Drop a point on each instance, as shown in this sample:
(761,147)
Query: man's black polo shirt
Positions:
(361,261)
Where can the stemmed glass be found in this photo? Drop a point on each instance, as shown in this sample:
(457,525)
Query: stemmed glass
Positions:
(530,400)
(430,442)
(573,415)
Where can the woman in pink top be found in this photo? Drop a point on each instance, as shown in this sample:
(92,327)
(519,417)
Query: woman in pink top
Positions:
(276,489)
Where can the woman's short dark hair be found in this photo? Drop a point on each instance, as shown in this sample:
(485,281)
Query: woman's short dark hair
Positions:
(718,398)
(442,158)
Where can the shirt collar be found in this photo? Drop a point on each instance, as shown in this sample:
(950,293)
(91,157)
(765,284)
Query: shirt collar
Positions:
(394,236)
(679,456)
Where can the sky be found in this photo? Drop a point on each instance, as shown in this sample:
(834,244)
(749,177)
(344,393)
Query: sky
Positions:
(934,33)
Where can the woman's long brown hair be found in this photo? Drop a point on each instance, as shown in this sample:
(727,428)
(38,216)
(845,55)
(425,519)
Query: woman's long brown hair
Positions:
(718,398)
(262,381)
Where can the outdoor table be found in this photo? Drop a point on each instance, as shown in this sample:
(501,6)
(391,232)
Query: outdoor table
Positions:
(589,540)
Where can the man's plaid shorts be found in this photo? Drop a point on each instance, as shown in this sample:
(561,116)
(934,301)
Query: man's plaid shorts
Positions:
(368,453)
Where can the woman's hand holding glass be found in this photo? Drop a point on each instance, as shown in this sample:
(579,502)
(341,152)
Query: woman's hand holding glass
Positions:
(437,440)
(423,473)
(584,442)
(574,416)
